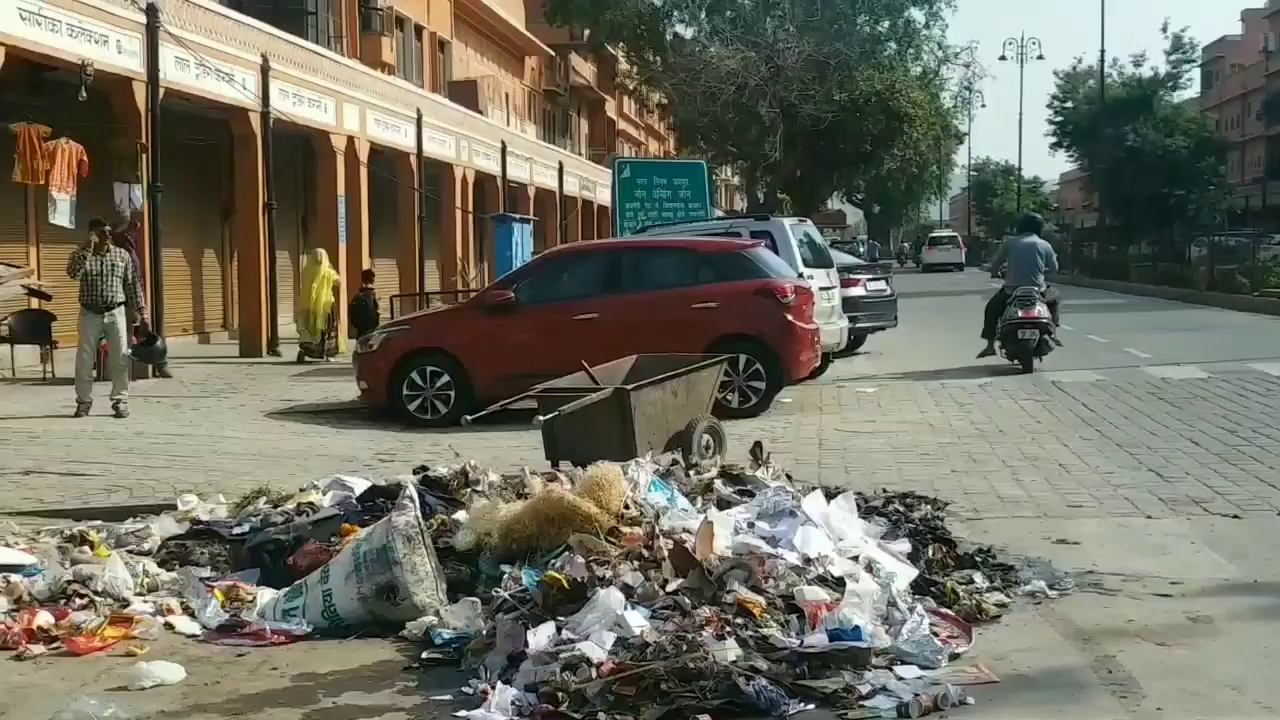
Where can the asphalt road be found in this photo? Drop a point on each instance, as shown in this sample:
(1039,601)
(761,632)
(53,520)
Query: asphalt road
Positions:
(1106,335)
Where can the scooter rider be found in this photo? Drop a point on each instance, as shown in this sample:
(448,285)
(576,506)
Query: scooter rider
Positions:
(1029,258)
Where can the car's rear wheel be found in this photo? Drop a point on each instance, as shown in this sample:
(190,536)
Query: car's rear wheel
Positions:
(752,379)
(855,343)
(430,390)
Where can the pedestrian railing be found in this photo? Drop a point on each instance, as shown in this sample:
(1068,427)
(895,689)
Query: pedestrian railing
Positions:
(406,303)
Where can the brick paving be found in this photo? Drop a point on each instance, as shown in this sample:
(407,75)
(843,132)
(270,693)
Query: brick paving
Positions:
(1010,447)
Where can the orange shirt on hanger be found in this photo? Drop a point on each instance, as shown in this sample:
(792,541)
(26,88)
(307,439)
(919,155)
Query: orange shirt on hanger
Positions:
(29,162)
(68,162)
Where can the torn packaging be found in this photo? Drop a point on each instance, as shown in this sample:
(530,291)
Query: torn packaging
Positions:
(389,575)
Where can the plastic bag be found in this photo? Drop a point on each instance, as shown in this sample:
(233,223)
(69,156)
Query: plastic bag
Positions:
(601,612)
(115,581)
(86,708)
(146,675)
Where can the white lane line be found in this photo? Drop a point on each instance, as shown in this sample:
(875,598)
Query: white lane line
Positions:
(1065,327)
(1176,372)
(1095,338)
(1139,353)
(1268,368)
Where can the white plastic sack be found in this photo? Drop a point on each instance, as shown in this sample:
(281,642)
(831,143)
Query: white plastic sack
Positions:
(389,574)
(145,675)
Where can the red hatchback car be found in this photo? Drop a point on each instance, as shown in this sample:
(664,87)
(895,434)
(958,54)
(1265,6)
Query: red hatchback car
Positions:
(594,302)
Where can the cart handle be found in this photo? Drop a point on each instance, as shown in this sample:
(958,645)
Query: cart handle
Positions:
(576,404)
(503,405)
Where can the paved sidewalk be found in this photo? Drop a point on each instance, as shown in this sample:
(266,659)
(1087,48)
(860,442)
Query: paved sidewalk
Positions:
(1008,447)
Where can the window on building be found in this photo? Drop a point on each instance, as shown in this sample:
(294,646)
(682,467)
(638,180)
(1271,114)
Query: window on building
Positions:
(444,66)
(417,76)
(316,21)
(376,18)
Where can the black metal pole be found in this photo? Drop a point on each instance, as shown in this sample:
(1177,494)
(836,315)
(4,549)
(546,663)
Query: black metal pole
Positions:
(269,193)
(1101,224)
(502,177)
(422,211)
(154,187)
(1022,76)
(563,230)
(968,178)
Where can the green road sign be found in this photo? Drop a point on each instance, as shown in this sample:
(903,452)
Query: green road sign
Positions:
(647,191)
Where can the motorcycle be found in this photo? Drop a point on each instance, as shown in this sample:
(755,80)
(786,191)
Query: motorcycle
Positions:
(1026,329)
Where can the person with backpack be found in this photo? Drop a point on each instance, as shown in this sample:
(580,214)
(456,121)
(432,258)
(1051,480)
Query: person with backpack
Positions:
(364,312)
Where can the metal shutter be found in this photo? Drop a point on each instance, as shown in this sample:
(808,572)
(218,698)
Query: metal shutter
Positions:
(384,231)
(289,184)
(432,243)
(13,223)
(194,150)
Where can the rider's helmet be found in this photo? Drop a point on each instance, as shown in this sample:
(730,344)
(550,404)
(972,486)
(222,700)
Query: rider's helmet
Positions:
(1031,224)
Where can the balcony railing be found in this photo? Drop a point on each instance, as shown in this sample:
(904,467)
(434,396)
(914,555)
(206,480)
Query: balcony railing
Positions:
(582,71)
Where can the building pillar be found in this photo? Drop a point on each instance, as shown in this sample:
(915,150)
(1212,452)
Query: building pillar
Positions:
(468,270)
(573,224)
(524,197)
(604,222)
(408,259)
(330,188)
(248,231)
(356,162)
(587,219)
(452,220)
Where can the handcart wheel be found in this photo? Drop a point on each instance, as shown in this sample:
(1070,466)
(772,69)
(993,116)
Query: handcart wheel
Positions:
(702,440)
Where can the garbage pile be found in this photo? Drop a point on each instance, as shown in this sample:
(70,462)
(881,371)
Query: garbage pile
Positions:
(642,590)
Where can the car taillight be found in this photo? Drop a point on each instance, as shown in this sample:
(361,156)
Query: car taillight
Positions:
(849,281)
(786,294)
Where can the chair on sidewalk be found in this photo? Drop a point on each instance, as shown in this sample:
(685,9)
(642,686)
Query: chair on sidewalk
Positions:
(32,327)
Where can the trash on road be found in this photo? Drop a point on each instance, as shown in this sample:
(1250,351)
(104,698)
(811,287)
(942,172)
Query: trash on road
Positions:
(647,589)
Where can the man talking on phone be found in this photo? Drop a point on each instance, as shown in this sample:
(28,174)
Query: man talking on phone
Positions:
(108,286)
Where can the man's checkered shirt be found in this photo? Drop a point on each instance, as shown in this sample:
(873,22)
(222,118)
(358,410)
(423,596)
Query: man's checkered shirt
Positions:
(107,279)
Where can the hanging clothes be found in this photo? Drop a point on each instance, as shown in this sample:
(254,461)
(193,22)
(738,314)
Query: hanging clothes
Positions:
(68,162)
(30,164)
(126,175)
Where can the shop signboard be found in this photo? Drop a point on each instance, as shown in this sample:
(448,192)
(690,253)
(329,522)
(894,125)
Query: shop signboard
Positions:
(72,33)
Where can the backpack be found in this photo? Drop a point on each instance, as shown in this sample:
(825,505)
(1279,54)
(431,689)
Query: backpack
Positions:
(364,311)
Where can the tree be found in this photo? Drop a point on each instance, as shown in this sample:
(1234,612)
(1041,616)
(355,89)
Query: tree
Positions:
(1155,163)
(791,93)
(916,164)
(993,196)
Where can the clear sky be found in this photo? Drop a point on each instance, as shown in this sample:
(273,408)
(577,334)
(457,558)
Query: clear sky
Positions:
(1067,28)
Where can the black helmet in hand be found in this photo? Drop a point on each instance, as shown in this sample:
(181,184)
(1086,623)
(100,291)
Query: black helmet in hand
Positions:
(149,348)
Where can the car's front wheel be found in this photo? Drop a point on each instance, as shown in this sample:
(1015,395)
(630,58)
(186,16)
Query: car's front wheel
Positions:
(430,390)
(752,378)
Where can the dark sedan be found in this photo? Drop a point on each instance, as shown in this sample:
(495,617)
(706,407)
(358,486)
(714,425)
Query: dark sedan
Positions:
(868,297)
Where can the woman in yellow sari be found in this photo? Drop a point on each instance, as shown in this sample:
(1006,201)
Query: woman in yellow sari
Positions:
(316,312)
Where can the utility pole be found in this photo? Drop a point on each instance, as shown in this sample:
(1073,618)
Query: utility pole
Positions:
(1021,50)
(1101,223)
(973,99)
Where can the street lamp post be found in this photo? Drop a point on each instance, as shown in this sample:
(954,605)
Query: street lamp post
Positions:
(1021,50)
(972,99)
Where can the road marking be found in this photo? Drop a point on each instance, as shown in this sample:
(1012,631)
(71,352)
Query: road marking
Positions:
(1073,376)
(1065,327)
(1095,338)
(1268,368)
(995,284)
(1139,353)
(1176,372)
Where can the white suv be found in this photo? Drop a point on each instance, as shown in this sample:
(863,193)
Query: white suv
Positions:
(942,249)
(797,241)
